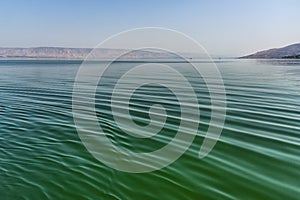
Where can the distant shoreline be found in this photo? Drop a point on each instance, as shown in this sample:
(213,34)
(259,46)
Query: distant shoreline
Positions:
(106,54)
(287,52)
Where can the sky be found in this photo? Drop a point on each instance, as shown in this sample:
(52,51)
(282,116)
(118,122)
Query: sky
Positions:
(223,27)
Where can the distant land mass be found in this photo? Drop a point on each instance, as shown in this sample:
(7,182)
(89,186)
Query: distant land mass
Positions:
(288,52)
(61,53)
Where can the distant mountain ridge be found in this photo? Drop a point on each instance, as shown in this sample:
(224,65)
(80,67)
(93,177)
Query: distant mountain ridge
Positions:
(61,53)
(291,51)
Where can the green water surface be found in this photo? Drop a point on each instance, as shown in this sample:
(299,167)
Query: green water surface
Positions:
(256,157)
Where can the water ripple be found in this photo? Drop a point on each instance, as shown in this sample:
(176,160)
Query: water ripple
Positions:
(257,156)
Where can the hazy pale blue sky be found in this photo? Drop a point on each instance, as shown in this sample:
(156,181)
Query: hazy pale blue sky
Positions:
(229,27)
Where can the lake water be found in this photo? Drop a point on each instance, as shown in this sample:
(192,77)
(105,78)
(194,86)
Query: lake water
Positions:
(257,155)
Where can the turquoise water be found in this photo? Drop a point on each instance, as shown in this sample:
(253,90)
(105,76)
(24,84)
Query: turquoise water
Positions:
(257,155)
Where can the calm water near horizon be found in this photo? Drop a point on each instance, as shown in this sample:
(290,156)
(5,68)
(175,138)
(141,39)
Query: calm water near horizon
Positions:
(257,155)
